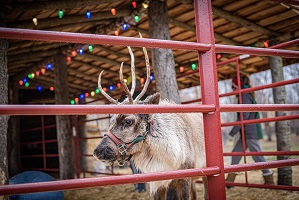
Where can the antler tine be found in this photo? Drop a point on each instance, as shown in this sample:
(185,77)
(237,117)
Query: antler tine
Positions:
(103,92)
(124,85)
(148,71)
(133,71)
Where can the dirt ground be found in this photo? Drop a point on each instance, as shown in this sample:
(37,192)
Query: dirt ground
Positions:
(235,193)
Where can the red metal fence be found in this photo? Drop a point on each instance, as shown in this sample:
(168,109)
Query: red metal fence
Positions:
(210,107)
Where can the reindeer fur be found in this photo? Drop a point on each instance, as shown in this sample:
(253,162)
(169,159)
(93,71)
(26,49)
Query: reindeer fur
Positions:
(178,144)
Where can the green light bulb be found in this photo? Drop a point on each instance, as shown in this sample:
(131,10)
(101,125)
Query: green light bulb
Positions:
(137,18)
(72,102)
(97,90)
(27,84)
(193,66)
(60,13)
(90,48)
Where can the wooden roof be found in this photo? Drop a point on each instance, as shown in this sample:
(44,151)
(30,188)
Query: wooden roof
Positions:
(241,23)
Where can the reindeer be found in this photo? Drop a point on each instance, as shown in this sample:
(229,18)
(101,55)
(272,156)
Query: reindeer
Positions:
(155,142)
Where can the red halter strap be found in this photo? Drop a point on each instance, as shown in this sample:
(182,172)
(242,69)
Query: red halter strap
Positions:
(123,147)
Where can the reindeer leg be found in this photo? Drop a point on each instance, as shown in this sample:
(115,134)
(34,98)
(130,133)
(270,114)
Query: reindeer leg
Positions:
(160,194)
(205,185)
(182,188)
(193,190)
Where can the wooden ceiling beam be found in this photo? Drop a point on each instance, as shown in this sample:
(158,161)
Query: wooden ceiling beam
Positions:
(193,29)
(239,20)
(36,48)
(106,60)
(244,22)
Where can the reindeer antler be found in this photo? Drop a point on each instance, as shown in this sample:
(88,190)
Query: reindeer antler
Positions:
(148,71)
(124,85)
(103,92)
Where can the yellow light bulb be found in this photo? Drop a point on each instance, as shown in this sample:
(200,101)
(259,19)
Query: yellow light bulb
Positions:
(34,21)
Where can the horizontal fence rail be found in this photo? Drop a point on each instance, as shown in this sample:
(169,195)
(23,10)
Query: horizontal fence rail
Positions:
(264,153)
(56,36)
(136,178)
(262,120)
(100,109)
(104,181)
(83,38)
(258,107)
(140,109)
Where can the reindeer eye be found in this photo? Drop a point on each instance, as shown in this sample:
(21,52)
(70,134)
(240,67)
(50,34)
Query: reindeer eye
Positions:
(128,122)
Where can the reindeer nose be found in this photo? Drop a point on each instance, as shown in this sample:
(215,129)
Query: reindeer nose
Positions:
(104,153)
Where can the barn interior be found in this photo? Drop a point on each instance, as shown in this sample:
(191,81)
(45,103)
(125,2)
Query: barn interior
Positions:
(250,23)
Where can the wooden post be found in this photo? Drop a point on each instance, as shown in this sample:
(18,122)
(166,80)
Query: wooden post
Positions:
(64,131)
(283,129)
(3,100)
(162,59)
(13,135)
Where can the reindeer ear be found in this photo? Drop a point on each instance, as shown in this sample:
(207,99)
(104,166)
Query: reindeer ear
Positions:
(152,99)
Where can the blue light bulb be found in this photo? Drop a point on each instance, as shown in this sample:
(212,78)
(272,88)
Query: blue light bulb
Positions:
(49,66)
(39,88)
(88,14)
(82,96)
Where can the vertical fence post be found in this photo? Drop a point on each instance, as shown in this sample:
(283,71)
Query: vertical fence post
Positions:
(209,88)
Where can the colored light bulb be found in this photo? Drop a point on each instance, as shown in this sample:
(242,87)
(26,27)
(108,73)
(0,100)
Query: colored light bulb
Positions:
(39,88)
(92,93)
(97,91)
(72,101)
(21,82)
(124,26)
(145,5)
(49,66)
(134,4)
(182,69)
(43,70)
(90,48)
(88,14)
(81,51)
(74,53)
(193,66)
(137,18)
(27,84)
(34,21)
(152,77)
(81,96)
(116,33)
(111,88)
(52,88)
(60,13)
(69,58)
(113,11)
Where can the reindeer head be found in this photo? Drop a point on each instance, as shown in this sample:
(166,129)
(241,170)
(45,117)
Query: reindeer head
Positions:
(127,131)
